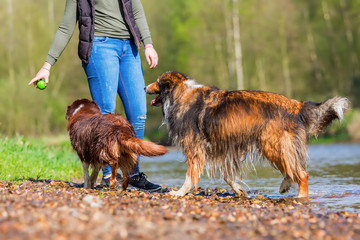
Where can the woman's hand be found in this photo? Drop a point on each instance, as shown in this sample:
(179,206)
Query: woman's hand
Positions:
(44,73)
(151,55)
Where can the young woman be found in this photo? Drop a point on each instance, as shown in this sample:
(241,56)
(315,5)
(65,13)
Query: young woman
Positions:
(110,35)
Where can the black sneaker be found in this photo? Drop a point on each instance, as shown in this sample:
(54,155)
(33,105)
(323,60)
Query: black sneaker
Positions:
(105,182)
(140,181)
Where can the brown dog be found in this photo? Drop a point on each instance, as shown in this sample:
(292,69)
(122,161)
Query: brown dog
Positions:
(101,139)
(222,128)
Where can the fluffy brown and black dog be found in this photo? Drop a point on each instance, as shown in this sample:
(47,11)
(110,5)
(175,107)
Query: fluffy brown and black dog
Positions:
(221,128)
(105,138)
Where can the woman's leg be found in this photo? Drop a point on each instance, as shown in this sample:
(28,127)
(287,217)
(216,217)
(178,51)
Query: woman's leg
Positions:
(102,72)
(131,91)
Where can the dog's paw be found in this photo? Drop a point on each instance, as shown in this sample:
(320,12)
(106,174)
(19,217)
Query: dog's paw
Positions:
(177,193)
(242,194)
(285,186)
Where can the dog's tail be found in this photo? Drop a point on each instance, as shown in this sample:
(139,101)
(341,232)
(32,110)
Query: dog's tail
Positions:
(318,116)
(143,147)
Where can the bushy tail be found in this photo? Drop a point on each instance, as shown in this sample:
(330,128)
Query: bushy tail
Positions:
(142,147)
(318,116)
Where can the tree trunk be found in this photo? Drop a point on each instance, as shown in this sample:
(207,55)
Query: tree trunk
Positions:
(354,61)
(314,59)
(261,74)
(30,40)
(285,60)
(10,47)
(229,45)
(237,45)
(326,15)
(51,15)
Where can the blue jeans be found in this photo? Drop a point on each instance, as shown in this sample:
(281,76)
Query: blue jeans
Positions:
(115,68)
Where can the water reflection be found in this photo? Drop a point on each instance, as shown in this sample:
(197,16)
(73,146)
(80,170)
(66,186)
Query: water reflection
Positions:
(334,171)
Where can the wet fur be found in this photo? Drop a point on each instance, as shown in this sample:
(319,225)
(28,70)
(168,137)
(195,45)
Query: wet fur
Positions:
(101,139)
(221,129)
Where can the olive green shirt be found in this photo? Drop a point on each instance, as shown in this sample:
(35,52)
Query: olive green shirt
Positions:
(109,22)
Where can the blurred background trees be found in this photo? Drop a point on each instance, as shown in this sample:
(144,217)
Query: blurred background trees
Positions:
(308,50)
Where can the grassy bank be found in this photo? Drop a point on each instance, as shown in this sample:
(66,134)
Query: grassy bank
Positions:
(22,158)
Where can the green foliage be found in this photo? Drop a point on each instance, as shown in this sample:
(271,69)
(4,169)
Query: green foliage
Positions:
(307,50)
(22,158)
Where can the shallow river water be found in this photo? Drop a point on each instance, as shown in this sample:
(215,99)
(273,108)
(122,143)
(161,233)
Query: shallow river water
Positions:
(334,176)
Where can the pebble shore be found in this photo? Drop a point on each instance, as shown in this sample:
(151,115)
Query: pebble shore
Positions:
(61,210)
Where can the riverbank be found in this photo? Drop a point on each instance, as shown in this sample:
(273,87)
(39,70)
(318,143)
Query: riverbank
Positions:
(60,210)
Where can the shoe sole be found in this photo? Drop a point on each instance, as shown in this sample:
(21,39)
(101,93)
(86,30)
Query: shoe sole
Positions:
(147,190)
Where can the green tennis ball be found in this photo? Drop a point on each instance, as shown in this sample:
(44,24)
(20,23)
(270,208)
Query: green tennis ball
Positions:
(41,84)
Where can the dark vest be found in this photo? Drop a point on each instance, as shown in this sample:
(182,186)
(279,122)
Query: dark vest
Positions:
(86,18)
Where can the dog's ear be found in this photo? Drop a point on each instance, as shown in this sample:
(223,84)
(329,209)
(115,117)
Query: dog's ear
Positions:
(165,83)
(92,102)
(179,77)
(170,78)
(68,114)
(95,104)
(167,80)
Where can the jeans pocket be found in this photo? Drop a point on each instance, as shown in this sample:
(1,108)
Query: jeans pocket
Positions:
(99,40)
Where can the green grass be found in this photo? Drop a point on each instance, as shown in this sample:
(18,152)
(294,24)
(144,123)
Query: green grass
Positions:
(22,158)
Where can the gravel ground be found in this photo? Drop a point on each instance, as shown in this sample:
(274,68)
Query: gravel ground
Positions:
(62,210)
